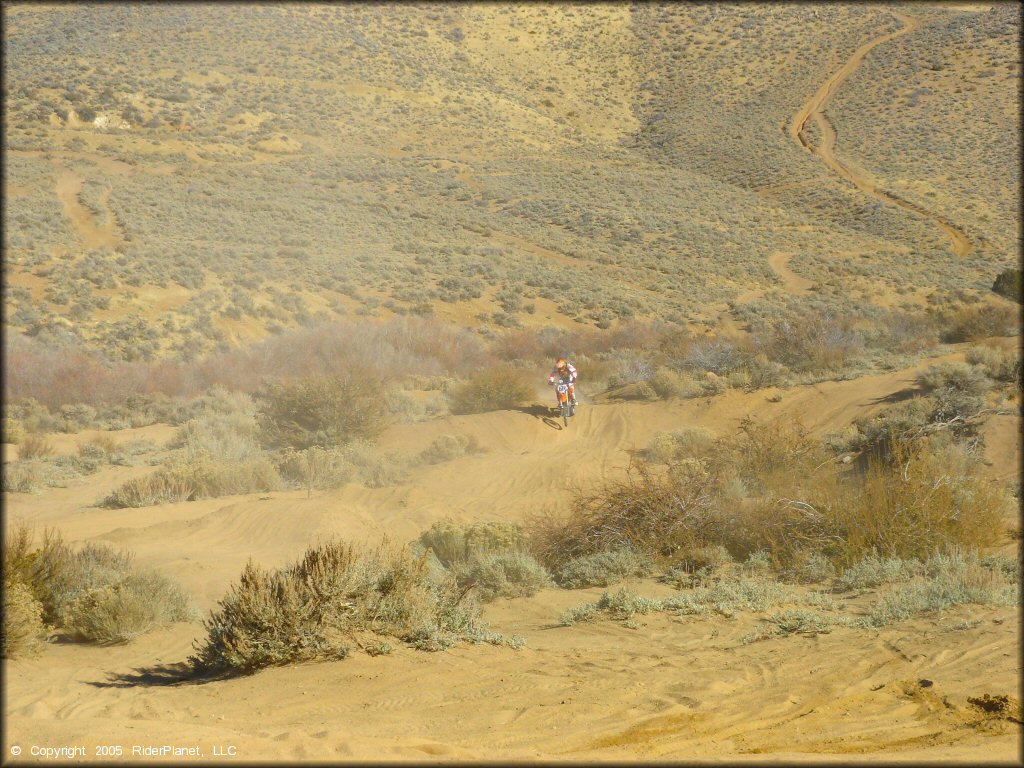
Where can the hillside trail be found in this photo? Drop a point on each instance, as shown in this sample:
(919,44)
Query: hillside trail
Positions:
(726,318)
(826,151)
(93,232)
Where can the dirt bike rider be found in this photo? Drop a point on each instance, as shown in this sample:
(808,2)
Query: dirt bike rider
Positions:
(565,371)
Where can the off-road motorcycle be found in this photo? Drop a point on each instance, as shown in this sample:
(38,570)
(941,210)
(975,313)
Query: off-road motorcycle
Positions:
(565,404)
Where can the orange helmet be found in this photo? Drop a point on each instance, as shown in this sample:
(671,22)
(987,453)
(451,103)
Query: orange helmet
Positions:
(560,363)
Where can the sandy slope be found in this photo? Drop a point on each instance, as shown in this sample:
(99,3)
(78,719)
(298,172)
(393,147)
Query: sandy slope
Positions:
(669,690)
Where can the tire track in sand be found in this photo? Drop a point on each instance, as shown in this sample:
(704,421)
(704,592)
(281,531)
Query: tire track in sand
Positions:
(814,110)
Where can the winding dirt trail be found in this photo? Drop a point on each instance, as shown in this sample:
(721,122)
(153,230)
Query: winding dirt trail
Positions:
(93,233)
(814,110)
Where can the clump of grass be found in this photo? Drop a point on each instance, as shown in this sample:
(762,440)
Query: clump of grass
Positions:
(795,621)
(100,447)
(34,446)
(808,566)
(373,468)
(332,599)
(873,571)
(668,384)
(455,545)
(621,605)
(230,435)
(727,598)
(493,389)
(202,477)
(948,580)
(445,448)
(669,447)
(922,501)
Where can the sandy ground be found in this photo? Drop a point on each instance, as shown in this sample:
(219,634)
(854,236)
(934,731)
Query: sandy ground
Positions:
(664,690)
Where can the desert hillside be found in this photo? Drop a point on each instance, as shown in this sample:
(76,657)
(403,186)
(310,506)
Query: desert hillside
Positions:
(183,178)
(283,477)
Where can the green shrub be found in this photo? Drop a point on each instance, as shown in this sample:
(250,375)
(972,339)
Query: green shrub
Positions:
(456,545)
(329,600)
(948,580)
(602,569)
(997,364)
(121,611)
(726,598)
(445,448)
(980,321)
(24,631)
(23,476)
(325,411)
(70,573)
(793,621)
(101,447)
(898,422)
(504,574)
(13,431)
(873,571)
(763,373)
(372,468)
(315,467)
(492,389)
(969,380)
(227,436)
(668,384)
(622,605)
(493,557)
(94,592)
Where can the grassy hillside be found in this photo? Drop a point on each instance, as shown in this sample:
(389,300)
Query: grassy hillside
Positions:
(187,177)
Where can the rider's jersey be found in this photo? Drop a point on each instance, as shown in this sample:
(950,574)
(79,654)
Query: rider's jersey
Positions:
(556,374)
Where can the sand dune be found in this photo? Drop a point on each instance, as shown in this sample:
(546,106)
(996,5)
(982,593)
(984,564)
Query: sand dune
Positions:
(664,690)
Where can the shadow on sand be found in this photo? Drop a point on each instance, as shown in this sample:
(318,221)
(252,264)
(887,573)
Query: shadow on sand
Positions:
(897,397)
(180,673)
(541,412)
